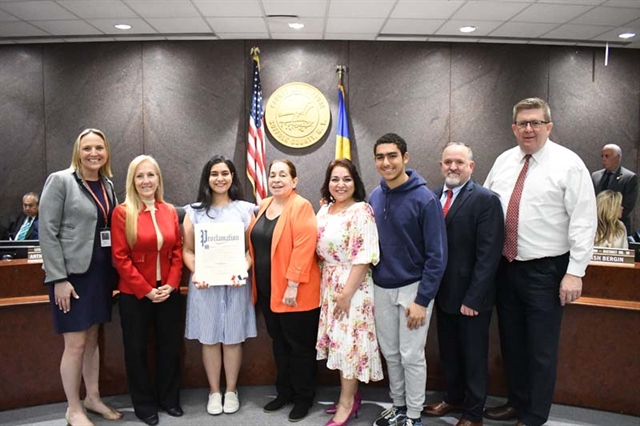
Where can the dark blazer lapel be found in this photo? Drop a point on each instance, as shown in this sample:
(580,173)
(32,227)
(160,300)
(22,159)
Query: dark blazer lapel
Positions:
(463,195)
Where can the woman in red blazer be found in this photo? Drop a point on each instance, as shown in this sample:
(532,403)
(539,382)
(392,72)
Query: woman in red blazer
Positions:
(286,286)
(147,252)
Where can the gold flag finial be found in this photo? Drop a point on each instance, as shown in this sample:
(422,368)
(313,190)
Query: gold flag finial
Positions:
(341,70)
(255,51)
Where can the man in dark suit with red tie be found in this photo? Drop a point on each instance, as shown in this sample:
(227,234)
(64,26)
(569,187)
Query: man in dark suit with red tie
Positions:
(475,233)
(618,179)
(25,225)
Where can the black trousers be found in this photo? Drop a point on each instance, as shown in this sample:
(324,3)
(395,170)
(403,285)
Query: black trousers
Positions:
(294,337)
(137,316)
(529,317)
(464,349)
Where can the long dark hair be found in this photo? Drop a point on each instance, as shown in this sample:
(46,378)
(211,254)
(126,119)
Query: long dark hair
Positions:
(205,197)
(359,193)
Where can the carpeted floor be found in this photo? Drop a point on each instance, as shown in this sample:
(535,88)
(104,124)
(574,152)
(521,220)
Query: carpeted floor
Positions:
(253,398)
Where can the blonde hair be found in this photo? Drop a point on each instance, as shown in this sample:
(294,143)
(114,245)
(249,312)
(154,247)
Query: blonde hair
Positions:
(75,157)
(132,203)
(609,226)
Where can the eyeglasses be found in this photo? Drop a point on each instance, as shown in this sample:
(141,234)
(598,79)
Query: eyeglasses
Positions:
(535,124)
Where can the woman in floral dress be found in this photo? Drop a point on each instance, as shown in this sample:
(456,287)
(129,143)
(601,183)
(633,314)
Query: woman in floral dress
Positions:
(347,246)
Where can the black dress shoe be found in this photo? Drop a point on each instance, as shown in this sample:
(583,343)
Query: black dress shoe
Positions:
(276,404)
(502,412)
(173,411)
(299,412)
(152,420)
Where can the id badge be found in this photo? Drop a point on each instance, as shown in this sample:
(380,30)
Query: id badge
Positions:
(105,238)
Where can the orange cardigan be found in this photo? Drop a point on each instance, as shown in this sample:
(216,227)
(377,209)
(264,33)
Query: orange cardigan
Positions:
(137,266)
(293,255)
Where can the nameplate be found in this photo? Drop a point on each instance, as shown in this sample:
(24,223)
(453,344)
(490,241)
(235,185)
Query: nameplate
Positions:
(602,255)
(34,255)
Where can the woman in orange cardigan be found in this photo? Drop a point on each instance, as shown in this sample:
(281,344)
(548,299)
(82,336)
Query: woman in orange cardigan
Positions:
(147,252)
(286,286)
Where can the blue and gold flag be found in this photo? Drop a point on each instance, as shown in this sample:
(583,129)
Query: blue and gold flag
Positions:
(343,144)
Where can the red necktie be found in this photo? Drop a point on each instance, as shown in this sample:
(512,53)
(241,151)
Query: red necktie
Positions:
(510,249)
(447,203)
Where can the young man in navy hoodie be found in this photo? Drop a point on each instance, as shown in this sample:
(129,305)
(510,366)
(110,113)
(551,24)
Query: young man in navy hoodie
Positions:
(413,257)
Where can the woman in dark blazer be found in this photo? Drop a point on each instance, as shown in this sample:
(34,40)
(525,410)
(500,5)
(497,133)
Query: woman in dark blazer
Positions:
(147,252)
(75,215)
(286,286)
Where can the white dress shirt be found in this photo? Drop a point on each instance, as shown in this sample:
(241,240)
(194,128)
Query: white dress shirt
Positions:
(558,204)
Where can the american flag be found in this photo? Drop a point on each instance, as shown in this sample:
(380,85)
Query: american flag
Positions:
(256,153)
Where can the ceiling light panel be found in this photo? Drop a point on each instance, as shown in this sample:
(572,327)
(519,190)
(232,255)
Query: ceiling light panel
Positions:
(311,25)
(107,26)
(483,28)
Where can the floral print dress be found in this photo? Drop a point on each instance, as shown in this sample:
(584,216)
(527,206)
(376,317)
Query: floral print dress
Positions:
(349,344)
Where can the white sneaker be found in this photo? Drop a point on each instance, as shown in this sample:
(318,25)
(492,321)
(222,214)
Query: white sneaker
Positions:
(231,402)
(214,406)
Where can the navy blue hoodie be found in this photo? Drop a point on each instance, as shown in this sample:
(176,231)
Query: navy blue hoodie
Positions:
(413,237)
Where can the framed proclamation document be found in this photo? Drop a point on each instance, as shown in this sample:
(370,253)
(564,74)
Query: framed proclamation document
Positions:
(220,253)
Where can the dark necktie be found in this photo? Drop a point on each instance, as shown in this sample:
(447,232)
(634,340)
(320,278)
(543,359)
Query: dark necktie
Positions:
(510,249)
(605,181)
(447,203)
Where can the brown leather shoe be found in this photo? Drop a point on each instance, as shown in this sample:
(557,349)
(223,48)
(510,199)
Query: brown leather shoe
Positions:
(465,422)
(502,412)
(439,409)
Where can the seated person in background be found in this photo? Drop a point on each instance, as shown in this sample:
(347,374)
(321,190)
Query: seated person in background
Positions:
(617,178)
(25,225)
(611,231)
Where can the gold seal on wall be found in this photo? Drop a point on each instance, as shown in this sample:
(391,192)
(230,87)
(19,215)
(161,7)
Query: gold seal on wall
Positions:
(297,115)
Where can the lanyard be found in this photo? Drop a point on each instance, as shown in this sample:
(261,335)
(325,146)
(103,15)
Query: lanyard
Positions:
(106,200)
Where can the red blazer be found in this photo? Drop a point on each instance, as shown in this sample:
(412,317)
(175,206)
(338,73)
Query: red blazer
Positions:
(293,255)
(137,266)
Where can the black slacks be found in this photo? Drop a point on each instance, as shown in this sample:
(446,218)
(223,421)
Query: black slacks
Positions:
(294,337)
(464,349)
(529,318)
(136,317)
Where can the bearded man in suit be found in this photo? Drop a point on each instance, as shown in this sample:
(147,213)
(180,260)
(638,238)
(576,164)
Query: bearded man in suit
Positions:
(475,235)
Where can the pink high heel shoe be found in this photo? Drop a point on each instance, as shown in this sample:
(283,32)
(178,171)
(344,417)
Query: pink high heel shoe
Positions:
(356,398)
(354,412)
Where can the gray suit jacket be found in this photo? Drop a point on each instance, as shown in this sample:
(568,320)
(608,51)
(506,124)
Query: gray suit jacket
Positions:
(625,182)
(68,218)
